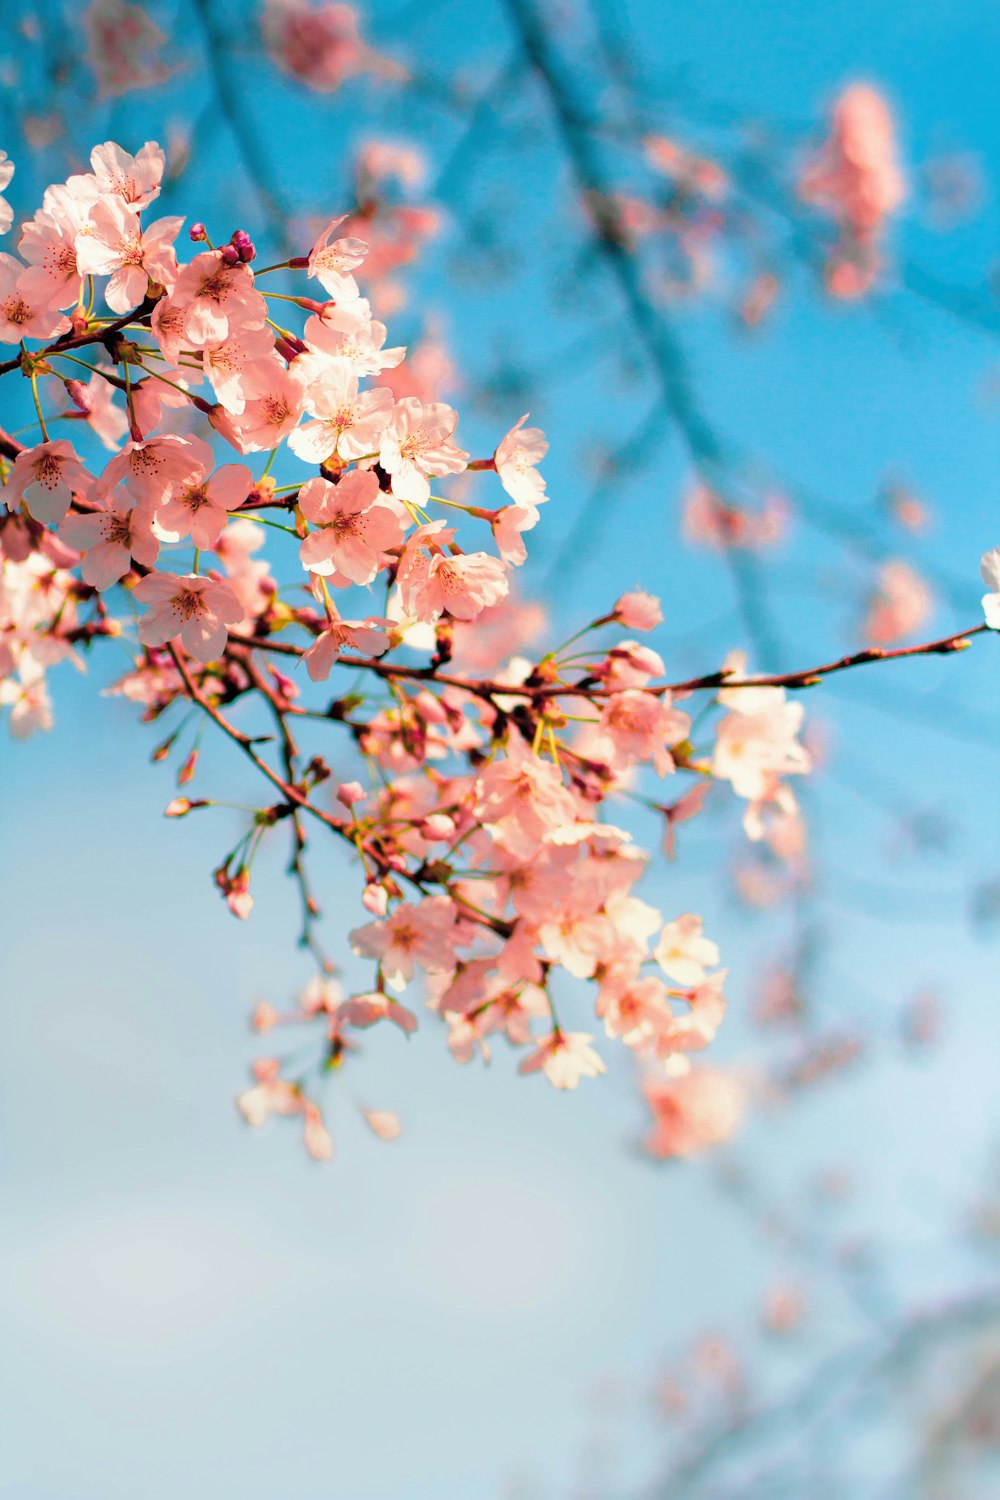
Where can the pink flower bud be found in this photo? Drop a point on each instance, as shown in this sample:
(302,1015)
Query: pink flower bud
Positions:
(197,232)
(437,826)
(638,611)
(375,899)
(349,792)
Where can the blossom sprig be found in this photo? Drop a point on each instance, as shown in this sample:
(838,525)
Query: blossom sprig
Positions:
(469,775)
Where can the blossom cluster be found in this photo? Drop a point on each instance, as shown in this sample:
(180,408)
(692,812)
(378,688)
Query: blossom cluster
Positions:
(470,789)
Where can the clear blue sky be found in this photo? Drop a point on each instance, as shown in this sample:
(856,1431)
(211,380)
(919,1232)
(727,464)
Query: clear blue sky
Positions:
(188,1309)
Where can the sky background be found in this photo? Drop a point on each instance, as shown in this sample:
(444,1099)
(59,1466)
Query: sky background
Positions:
(187,1308)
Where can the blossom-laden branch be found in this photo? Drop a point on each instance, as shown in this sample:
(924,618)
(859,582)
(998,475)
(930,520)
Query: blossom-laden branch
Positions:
(473,768)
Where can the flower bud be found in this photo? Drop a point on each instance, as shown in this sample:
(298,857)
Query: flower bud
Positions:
(349,792)
(197,232)
(243,245)
(375,899)
(230,255)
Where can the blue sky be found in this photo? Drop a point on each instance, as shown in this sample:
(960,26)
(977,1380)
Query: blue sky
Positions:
(187,1307)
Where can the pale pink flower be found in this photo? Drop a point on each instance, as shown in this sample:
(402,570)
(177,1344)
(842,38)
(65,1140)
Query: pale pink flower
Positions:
(216,299)
(319,43)
(26,695)
(516,459)
(564,1057)
(367,636)
(228,364)
(522,792)
(134,179)
(318,1141)
(199,506)
(111,539)
(152,468)
(417,446)
(249,579)
(462,585)
(118,246)
(332,261)
(638,611)
(422,934)
(21,316)
(692,1110)
(757,741)
(346,423)
(383,1123)
(6,173)
(637,725)
(683,953)
(509,524)
(348,331)
(900,605)
(990,569)
(274,397)
(195,608)
(363,1011)
(48,244)
(122,43)
(354,528)
(46,478)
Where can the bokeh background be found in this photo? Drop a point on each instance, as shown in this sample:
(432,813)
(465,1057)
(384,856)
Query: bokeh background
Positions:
(486,1307)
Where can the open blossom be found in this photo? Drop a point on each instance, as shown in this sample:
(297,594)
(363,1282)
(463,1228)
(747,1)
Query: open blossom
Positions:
(319,43)
(461,585)
(332,261)
(118,246)
(26,695)
(199,506)
(6,173)
(637,725)
(46,478)
(346,422)
(274,397)
(151,469)
(122,45)
(195,608)
(354,529)
(422,934)
(48,245)
(901,604)
(683,953)
(226,364)
(757,740)
(369,637)
(134,179)
(21,315)
(516,461)
(990,569)
(111,538)
(215,299)
(417,446)
(692,1110)
(523,793)
(564,1057)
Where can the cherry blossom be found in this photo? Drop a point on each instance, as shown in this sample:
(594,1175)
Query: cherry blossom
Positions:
(111,538)
(46,478)
(565,1058)
(990,568)
(353,529)
(6,173)
(199,505)
(22,317)
(417,446)
(194,608)
(516,460)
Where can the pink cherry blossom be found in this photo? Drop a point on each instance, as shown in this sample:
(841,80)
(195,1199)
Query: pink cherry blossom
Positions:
(516,460)
(683,953)
(195,608)
(990,569)
(692,1110)
(370,637)
(414,935)
(564,1057)
(199,505)
(354,529)
(118,246)
(638,611)
(332,261)
(417,446)
(110,539)
(134,179)
(216,299)
(461,585)
(23,316)
(346,423)
(6,173)
(46,478)
(152,468)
